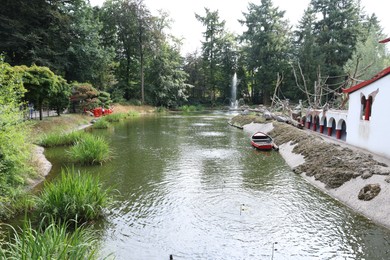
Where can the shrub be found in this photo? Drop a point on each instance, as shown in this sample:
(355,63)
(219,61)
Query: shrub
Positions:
(101,124)
(161,110)
(75,196)
(14,132)
(62,139)
(90,150)
(186,108)
(135,102)
(52,242)
(199,107)
(192,108)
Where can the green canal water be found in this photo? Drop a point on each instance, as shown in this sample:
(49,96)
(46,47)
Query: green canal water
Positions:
(192,187)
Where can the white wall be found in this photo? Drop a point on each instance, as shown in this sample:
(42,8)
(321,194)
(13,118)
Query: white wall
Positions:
(373,135)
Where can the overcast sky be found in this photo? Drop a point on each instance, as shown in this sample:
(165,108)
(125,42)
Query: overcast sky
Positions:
(185,24)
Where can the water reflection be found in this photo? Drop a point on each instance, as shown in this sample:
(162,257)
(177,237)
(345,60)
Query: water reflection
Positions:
(191,186)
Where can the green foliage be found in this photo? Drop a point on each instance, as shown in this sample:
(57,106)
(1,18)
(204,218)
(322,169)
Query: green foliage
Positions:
(128,27)
(89,60)
(161,109)
(59,100)
(336,33)
(16,202)
(123,49)
(84,96)
(34,33)
(101,124)
(115,117)
(134,102)
(76,196)
(188,108)
(211,49)
(268,44)
(44,86)
(192,108)
(62,35)
(370,56)
(167,79)
(133,114)
(14,146)
(54,241)
(62,139)
(104,98)
(90,150)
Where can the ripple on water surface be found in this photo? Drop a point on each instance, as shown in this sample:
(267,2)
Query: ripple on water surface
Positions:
(198,191)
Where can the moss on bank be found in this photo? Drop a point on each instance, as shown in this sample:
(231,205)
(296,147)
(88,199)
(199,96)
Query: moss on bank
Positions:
(329,163)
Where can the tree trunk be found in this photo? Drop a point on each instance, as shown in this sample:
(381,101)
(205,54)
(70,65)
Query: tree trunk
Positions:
(142,75)
(40,110)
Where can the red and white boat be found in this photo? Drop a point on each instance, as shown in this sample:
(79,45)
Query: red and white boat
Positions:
(263,142)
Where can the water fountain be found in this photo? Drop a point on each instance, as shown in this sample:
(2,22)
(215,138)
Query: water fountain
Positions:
(234,101)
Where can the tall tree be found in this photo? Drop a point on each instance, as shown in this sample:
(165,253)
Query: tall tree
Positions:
(308,52)
(196,76)
(88,59)
(127,27)
(34,32)
(210,51)
(266,46)
(227,63)
(336,31)
(370,56)
(167,78)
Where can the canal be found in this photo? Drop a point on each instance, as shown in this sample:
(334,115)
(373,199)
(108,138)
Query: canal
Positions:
(192,187)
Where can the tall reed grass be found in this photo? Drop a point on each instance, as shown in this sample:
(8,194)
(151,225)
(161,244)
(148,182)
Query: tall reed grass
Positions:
(101,124)
(54,241)
(192,108)
(62,139)
(115,117)
(75,196)
(133,114)
(90,150)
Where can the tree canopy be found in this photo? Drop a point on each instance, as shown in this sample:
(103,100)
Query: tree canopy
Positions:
(123,49)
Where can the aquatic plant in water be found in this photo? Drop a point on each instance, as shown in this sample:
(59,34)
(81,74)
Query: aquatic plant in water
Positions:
(115,117)
(55,241)
(76,196)
(101,124)
(61,139)
(133,114)
(90,150)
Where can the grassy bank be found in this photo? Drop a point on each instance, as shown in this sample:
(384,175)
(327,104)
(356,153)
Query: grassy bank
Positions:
(50,242)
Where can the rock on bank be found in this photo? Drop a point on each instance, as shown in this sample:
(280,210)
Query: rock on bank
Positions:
(337,169)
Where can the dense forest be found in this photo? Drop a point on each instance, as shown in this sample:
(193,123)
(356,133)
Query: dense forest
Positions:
(123,51)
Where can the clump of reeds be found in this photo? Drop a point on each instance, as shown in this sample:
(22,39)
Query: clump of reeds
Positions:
(90,150)
(54,241)
(191,108)
(75,196)
(61,139)
(101,124)
(133,114)
(115,117)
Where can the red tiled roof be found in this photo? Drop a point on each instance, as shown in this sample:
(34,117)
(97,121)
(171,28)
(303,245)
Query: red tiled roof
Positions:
(385,40)
(368,82)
